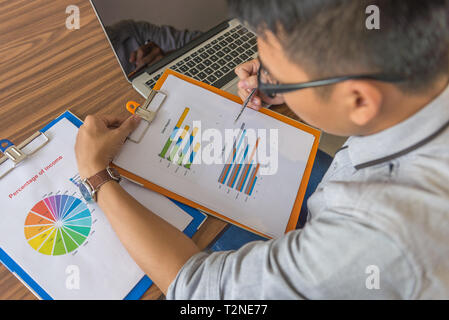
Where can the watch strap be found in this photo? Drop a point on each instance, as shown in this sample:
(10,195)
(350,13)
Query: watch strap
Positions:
(108,174)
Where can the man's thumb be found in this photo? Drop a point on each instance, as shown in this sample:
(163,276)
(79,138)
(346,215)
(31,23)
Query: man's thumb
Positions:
(128,126)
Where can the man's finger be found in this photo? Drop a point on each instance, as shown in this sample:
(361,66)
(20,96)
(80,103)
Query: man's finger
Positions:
(112,121)
(153,56)
(254,103)
(248,83)
(139,54)
(144,50)
(247,69)
(128,126)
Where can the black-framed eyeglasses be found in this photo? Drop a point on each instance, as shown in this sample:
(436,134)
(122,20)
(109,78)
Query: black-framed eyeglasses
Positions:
(271,89)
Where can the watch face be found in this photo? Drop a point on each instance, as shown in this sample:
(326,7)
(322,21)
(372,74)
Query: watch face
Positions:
(86,192)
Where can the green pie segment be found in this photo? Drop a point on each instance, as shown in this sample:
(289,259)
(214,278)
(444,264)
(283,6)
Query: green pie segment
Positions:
(59,245)
(83,231)
(70,244)
(75,236)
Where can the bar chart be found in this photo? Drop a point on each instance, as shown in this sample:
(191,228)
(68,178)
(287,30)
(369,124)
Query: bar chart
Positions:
(240,170)
(179,146)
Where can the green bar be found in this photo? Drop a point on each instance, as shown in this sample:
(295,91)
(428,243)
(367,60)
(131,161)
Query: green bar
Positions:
(173,153)
(166,147)
(181,157)
(192,157)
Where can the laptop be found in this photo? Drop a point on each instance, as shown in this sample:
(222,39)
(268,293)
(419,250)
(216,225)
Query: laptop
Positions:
(210,56)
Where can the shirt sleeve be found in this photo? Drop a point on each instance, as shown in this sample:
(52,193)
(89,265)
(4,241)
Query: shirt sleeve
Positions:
(333,257)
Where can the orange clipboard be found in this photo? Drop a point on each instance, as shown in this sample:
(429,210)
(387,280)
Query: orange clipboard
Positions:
(294,216)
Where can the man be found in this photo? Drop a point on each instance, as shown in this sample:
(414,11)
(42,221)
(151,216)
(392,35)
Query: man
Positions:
(379,220)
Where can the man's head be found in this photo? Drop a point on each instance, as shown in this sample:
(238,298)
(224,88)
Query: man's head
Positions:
(306,40)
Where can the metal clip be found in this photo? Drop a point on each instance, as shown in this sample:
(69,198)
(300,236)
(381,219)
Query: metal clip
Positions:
(16,153)
(142,111)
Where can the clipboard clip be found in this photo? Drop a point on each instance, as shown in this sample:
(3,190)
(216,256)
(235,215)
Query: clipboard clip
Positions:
(147,112)
(18,154)
(154,102)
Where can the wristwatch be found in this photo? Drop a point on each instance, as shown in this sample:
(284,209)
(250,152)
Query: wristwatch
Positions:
(90,186)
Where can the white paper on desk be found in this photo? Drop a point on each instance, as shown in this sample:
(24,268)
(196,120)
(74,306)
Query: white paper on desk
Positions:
(269,206)
(106,271)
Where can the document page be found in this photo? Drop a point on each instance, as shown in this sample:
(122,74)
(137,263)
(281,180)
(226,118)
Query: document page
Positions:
(66,245)
(249,171)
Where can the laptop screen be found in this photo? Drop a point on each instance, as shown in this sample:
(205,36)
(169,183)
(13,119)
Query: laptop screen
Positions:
(143,32)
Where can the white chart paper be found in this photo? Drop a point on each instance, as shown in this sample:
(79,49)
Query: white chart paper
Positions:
(241,193)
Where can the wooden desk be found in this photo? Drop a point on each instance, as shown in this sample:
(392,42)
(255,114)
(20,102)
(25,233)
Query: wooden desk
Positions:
(46,69)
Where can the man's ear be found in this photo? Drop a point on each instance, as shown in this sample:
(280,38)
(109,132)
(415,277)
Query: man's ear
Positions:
(364,101)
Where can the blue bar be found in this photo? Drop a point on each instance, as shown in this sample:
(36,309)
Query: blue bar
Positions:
(188,144)
(235,152)
(192,156)
(173,134)
(248,187)
(240,165)
(252,188)
(238,146)
(234,174)
(227,173)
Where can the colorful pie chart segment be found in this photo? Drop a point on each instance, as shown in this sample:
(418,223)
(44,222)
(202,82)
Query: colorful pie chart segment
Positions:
(58,225)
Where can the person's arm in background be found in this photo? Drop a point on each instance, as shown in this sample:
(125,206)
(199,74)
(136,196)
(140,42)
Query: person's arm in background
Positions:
(159,41)
(147,54)
(155,245)
(168,38)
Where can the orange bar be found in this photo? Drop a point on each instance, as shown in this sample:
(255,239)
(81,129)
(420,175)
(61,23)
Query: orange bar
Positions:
(228,166)
(254,176)
(231,181)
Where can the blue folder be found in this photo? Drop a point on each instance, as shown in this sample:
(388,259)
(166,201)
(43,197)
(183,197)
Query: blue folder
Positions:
(143,285)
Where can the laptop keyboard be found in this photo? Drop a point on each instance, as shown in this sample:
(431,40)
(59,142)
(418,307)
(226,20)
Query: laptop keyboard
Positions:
(214,63)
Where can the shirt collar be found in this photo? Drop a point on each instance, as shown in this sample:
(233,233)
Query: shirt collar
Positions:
(403,137)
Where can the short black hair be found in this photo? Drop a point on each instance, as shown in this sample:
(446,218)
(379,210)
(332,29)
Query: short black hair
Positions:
(330,38)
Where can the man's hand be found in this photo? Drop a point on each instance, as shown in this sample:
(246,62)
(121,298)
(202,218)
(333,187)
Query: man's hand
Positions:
(247,73)
(146,54)
(99,140)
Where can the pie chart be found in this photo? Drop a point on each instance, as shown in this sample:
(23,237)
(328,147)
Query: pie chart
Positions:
(57,225)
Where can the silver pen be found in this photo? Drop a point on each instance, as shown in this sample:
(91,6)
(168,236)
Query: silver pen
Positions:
(248,99)
(245,104)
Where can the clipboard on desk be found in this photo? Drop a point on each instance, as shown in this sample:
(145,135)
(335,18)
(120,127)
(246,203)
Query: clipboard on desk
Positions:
(83,229)
(163,155)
